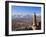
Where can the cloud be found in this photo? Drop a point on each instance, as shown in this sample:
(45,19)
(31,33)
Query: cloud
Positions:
(21,13)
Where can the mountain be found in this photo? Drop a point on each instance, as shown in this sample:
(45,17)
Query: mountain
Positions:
(21,16)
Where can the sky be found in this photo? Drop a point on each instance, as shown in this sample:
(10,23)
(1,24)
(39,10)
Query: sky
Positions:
(25,10)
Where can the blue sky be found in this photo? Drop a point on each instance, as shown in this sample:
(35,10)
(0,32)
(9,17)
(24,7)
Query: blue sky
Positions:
(25,10)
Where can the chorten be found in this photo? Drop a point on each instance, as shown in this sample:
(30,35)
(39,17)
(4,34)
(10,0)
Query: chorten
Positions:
(34,26)
(34,19)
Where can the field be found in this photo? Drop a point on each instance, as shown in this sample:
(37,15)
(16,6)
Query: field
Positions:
(23,23)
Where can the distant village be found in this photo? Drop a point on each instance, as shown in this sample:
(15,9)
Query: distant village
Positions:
(34,25)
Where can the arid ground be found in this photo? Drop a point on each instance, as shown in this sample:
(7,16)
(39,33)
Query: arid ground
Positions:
(24,23)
